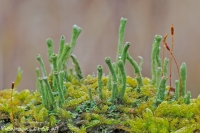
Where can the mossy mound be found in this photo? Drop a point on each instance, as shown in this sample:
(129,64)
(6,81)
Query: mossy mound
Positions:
(79,113)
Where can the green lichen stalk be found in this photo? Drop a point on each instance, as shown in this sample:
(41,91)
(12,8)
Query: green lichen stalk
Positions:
(161,90)
(37,71)
(54,61)
(55,68)
(158,60)
(39,58)
(121,37)
(187,98)
(137,71)
(166,61)
(123,58)
(61,79)
(177,89)
(61,47)
(125,51)
(61,99)
(114,79)
(183,76)
(63,56)
(158,75)
(100,83)
(49,48)
(109,82)
(77,66)
(75,33)
(44,93)
(141,62)
(49,95)
(154,55)
(120,40)
(123,73)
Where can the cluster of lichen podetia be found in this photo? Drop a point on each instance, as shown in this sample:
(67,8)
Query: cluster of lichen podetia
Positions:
(159,80)
(117,77)
(101,103)
(59,72)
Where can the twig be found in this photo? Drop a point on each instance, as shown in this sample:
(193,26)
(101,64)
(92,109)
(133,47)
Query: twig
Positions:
(12,117)
(166,46)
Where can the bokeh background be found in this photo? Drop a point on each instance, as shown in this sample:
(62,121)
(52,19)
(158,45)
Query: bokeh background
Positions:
(25,26)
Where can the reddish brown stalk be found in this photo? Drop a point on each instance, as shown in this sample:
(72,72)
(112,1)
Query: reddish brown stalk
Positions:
(171,55)
(170,76)
(172,33)
(163,53)
(12,117)
(167,47)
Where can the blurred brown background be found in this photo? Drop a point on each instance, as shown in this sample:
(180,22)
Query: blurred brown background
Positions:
(25,26)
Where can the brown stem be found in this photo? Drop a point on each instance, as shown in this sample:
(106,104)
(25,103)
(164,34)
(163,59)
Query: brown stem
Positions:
(170,76)
(175,63)
(172,33)
(171,55)
(12,117)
